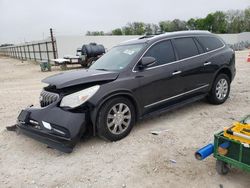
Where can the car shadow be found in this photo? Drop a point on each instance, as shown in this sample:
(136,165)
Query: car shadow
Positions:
(144,123)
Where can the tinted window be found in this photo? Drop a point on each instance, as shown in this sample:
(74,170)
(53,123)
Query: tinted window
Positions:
(200,48)
(186,47)
(163,53)
(210,43)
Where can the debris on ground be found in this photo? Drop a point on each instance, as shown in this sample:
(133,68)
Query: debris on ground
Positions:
(172,161)
(158,132)
(155,169)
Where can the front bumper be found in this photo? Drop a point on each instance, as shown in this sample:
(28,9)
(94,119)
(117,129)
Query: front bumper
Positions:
(58,128)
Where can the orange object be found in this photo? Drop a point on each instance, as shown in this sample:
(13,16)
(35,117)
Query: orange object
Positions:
(222,151)
(248,59)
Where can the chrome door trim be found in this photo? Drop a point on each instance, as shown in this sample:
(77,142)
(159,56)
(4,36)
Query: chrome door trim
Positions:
(167,99)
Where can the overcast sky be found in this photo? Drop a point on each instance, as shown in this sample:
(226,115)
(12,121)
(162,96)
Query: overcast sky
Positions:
(26,20)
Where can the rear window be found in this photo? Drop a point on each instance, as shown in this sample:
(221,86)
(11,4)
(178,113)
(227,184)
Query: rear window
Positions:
(186,47)
(210,43)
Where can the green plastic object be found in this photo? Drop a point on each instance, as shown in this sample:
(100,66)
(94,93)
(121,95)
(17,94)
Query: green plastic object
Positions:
(238,155)
(45,65)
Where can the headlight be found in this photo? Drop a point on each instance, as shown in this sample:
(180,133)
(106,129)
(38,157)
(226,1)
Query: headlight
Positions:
(76,99)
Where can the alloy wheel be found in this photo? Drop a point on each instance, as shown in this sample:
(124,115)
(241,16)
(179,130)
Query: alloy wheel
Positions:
(221,89)
(119,118)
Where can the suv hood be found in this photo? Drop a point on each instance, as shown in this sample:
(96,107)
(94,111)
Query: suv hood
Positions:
(72,78)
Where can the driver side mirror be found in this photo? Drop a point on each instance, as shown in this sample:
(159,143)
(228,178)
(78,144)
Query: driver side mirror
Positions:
(146,61)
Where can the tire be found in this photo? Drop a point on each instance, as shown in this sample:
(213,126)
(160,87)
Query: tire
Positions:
(220,90)
(222,167)
(116,119)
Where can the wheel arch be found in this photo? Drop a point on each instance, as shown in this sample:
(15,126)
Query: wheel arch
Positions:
(211,94)
(226,71)
(125,94)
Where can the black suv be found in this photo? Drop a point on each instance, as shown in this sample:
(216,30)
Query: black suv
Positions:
(135,79)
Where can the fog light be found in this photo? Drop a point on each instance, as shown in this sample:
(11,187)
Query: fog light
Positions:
(46,125)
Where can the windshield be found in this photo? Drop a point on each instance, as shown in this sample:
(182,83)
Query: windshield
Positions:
(117,58)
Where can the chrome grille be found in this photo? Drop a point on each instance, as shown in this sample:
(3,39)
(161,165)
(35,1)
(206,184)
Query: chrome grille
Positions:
(46,98)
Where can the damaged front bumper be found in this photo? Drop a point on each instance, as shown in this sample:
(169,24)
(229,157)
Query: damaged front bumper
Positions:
(54,126)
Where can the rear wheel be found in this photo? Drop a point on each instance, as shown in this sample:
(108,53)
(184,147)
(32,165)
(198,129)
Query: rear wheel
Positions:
(220,90)
(222,167)
(116,119)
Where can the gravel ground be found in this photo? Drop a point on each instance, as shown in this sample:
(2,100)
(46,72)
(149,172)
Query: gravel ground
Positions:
(139,160)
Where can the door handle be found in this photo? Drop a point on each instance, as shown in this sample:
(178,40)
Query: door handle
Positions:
(207,63)
(176,72)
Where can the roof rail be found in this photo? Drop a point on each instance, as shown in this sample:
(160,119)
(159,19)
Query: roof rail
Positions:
(146,36)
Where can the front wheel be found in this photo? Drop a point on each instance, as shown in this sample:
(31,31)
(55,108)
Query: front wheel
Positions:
(220,90)
(116,119)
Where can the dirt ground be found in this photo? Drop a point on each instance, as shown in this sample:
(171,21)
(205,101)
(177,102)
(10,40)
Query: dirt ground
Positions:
(139,160)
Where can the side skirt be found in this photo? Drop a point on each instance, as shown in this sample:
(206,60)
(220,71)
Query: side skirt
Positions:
(174,106)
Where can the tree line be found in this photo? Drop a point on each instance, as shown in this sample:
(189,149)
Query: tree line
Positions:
(232,21)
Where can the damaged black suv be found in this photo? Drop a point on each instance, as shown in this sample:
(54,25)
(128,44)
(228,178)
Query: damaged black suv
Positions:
(137,78)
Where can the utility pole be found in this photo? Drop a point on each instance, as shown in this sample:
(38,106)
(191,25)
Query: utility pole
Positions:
(53,43)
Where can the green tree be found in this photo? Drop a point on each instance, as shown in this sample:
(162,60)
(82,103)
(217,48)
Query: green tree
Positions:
(155,29)
(219,24)
(165,26)
(175,25)
(138,28)
(95,33)
(235,21)
(200,24)
(178,25)
(191,24)
(209,22)
(127,30)
(148,29)
(247,20)
(117,31)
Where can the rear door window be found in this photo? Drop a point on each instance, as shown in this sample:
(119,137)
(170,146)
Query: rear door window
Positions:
(210,43)
(163,52)
(200,48)
(186,47)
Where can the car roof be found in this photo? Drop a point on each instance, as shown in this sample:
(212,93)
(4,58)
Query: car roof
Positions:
(154,38)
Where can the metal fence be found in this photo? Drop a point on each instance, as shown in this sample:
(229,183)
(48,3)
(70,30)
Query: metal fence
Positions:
(240,46)
(37,51)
